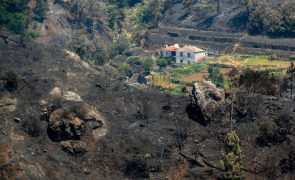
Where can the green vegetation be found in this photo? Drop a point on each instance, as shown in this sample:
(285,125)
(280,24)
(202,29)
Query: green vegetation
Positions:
(148,63)
(40,9)
(274,21)
(255,62)
(92,52)
(119,46)
(215,76)
(162,62)
(124,68)
(115,15)
(165,83)
(188,70)
(14,15)
(232,158)
(150,13)
(33,34)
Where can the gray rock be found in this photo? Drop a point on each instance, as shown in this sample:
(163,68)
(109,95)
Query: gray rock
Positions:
(55,93)
(205,98)
(94,124)
(76,148)
(64,125)
(86,171)
(72,96)
(16,137)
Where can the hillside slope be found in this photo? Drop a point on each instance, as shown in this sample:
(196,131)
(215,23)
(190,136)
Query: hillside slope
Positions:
(62,118)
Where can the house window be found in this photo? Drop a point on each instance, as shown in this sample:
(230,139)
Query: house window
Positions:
(189,55)
(188,62)
(181,61)
(181,54)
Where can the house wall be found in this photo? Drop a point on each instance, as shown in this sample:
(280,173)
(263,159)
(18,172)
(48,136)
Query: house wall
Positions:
(166,53)
(200,56)
(185,58)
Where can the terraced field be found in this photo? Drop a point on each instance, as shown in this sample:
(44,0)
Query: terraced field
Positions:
(223,42)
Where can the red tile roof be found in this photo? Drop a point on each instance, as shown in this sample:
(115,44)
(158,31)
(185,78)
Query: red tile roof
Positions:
(190,49)
(170,48)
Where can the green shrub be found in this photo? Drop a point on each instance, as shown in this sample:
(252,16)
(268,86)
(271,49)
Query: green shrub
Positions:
(119,46)
(33,34)
(162,62)
(134,59)
(232,158)
(148,63)
(124,68)
(215,76)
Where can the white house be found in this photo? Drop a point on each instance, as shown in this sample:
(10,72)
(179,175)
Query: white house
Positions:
(183,55)
(190,55)
(169,51)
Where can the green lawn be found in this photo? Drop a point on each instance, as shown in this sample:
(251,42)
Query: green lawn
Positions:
(263,61)
(252,61)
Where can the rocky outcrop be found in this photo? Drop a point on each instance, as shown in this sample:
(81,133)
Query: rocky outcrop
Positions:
(205,98)
(73,147)
(8,104)
(65,125)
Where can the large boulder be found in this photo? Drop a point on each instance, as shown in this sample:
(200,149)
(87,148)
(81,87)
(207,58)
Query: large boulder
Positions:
(65,125)
(73,147)
(205,98)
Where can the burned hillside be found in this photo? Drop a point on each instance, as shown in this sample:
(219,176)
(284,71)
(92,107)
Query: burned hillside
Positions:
(61,117)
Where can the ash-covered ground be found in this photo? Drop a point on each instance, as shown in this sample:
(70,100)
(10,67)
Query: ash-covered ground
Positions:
(61,118)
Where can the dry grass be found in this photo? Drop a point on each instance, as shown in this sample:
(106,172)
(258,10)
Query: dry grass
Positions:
(162,81)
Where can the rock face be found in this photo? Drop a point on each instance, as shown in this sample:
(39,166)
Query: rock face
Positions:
(64,125)
(72,96)
(5,153)
(73,147)
(205,98)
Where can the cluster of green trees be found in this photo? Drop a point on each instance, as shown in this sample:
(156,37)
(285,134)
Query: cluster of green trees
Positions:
(14,15)
(273,21)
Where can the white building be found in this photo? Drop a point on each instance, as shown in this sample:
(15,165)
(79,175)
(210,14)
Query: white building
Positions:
(183,55)
(169,51)
(190,55)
